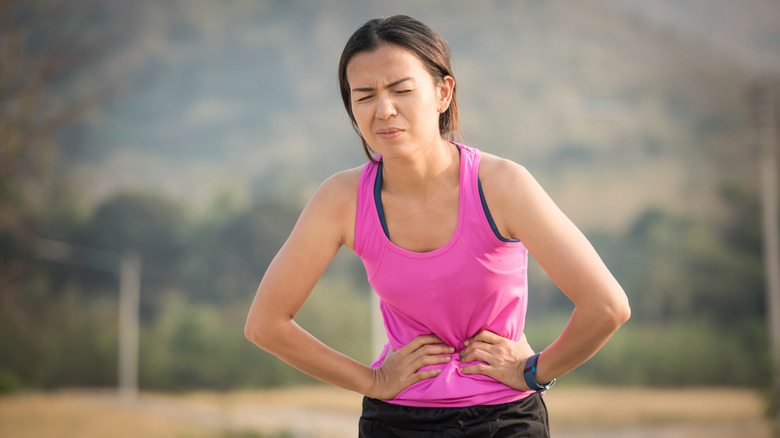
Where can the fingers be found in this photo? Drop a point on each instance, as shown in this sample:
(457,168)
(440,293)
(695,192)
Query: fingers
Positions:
(428,349)
(485,336)
(429,355)
(422,341)
(433,349)
(486,353)
(429,374)
(494,356)
(485,370)
(423,351)
(483,347)
(410,364)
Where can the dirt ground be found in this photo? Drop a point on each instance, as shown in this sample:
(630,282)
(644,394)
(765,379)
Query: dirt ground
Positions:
(325,412)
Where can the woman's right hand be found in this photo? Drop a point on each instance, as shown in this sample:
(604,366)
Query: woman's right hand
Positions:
(400,368)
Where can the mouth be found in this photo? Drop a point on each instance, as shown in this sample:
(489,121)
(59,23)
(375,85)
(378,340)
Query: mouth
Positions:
(387,133)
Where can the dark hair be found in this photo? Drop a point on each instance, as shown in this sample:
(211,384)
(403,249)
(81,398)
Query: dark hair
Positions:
(415,36)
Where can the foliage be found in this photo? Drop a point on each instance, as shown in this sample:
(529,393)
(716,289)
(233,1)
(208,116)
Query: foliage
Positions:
(194,302)
(697,297)
(641,153)
(683,352)
(690,269)
(694,285)
(236,249)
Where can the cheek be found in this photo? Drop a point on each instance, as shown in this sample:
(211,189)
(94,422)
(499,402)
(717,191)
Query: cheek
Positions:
(428,117)
(427,110)
(361,119)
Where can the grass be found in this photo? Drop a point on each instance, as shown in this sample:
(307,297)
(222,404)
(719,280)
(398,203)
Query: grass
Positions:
(245,414)
(82,414)
(618,407)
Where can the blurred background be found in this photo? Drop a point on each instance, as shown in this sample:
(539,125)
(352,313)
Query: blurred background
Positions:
(191,133)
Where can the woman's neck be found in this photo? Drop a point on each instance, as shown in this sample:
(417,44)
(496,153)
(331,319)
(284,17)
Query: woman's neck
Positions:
(423,174)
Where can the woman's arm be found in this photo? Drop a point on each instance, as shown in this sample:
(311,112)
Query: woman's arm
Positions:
(327,223)
(522,210)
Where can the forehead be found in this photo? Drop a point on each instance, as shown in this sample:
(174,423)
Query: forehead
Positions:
(385,64)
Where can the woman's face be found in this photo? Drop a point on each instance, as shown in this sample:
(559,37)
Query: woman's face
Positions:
(395,101)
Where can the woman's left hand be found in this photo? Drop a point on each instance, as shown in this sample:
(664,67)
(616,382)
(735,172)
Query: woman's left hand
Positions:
(504,359)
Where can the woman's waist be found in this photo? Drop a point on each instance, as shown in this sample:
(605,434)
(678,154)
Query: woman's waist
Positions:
(453,388)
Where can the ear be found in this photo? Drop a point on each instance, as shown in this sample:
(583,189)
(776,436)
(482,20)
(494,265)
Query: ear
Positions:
(446,89)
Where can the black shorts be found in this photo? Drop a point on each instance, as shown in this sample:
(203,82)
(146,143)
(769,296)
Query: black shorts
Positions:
(523,418)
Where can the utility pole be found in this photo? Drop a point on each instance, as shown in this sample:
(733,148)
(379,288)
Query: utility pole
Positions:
(128,266)
(129,303)
(765,108)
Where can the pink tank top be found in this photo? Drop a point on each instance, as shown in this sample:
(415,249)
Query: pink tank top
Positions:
(477,281)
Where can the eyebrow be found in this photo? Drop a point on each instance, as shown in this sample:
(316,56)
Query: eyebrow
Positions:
(390,85)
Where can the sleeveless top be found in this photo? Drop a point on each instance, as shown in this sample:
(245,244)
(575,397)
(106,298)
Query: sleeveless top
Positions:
(476,281)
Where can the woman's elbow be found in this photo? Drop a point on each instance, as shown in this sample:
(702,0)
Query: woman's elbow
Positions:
(608,312)
(250,331)
(619,311)
(257,333)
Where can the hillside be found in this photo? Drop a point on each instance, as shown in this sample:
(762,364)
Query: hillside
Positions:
(614,109)
(216,120)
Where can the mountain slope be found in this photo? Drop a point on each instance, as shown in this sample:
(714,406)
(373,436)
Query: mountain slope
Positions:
(611,110)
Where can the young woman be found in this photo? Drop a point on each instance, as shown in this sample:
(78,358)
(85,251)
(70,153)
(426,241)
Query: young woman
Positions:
(444,232)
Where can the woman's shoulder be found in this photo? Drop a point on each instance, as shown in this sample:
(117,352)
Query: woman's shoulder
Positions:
(511,192)
(339,193)
(342,183)
(333,206)
(497,172)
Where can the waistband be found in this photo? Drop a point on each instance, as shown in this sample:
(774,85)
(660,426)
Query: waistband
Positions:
(524,417)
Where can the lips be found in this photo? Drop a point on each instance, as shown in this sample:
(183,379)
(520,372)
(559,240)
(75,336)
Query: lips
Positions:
(389,132)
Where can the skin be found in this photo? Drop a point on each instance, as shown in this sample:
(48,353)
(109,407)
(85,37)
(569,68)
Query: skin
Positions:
(396,104)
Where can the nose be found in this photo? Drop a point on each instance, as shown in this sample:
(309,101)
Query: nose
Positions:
(385,108)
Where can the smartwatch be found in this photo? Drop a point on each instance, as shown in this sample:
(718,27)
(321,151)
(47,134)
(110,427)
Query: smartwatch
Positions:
(529,375)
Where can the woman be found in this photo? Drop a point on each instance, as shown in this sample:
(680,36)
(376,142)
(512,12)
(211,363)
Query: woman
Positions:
(443,231)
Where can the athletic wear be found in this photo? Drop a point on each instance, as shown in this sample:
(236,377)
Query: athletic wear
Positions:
(476,281)
(523,418)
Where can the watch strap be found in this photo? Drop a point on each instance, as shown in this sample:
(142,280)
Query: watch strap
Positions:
(529,375)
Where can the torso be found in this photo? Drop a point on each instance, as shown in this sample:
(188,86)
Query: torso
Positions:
(458,279)
(424,225)
(421,226)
